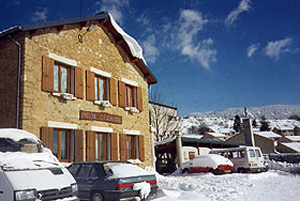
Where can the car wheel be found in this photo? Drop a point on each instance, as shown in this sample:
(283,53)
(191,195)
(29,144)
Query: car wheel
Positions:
(184,170)
(96,196)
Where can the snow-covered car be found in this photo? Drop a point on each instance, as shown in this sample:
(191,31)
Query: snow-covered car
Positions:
(30,172)
(112,181)
(213,163)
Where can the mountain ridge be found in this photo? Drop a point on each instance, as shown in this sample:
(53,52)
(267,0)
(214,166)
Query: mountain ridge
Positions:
(270,112)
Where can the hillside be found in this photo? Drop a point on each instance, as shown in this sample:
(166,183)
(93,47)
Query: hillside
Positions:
(271,112)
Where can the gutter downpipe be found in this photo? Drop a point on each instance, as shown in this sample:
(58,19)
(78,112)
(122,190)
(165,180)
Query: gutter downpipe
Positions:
(18,80)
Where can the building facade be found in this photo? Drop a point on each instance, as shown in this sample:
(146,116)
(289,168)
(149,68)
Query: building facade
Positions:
(80,86)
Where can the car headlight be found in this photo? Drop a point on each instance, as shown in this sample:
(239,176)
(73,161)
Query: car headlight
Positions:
(74,188)
(27,195)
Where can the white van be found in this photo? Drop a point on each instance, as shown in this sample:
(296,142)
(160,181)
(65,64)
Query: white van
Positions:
(30,172)
(245,159)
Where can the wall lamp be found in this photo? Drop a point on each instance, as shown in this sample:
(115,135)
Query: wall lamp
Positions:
(80,36)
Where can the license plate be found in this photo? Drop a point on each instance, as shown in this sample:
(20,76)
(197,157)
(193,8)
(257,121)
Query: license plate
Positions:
(227,171)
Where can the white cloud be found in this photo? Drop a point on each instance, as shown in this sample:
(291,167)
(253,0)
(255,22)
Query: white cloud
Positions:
(275,48)
(144,19)
(150,51)
(115,7)
(40,15)
(244,6)
(252,49)
(190,24)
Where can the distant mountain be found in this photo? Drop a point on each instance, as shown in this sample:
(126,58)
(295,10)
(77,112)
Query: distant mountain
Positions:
(271,112)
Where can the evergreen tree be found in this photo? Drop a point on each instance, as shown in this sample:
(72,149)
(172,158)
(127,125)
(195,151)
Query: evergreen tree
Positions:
(254,123)
(237,123)
(265,125)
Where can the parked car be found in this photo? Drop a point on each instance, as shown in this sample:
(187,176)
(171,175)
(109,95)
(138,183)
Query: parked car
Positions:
(213,163)
(30,172)
(246,159)
(111,181)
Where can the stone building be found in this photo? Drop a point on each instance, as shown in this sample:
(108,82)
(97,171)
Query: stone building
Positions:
(81,85)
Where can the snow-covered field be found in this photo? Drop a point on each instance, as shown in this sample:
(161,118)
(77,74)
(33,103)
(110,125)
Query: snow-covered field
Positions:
(272,185)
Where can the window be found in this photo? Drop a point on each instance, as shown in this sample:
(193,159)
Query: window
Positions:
(62,78)
(102,146)
(251,152)
(101,85)
(257,152)
(61,144)
(130,96)
(132,146)
(85,170)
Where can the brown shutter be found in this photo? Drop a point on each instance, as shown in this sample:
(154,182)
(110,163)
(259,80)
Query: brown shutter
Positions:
(90,146)
(141,148)
(90,88)
(121,94)
(139,99)
(123,147)
(78,82)
(47,137)
(114,146)
(78,145)
(47,74)
(113,91)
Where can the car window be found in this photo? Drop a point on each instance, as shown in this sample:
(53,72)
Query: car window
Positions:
(73,169)
(257,152)
(85,170)
(251,152)
(93,172)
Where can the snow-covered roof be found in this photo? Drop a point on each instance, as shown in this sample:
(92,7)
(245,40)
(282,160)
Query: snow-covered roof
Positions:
(216,134)
(194,136)
(135,48)
(284,127)
(164,141)
(293,138)
(267,134)
(292,145)
(17,134)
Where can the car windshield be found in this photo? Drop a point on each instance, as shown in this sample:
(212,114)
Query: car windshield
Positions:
(24,145)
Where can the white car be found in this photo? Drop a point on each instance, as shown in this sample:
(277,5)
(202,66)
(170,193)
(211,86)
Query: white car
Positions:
(213,163)
(30,172)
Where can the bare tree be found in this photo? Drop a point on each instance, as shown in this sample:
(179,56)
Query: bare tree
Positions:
(163,118)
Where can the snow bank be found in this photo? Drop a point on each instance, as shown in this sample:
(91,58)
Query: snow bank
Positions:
(134,47)
(126,170)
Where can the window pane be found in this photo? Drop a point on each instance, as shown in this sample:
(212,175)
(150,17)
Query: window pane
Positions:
(96,88)
(64,80)
(101,86)
(96,148)
(128,147)
(56,78)
(103,148)
(63,140)
(55,143)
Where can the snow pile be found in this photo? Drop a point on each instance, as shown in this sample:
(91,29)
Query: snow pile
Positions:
(134,47)
(144,189)
(234,187)
(126,170)
(284,166)
(24,161)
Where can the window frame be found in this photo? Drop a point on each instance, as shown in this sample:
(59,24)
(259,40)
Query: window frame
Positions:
(68,140)
(106,84)
(132,102)
(98,147)
(129,153)
(60,66)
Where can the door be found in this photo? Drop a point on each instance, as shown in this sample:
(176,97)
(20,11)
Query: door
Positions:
(83,181)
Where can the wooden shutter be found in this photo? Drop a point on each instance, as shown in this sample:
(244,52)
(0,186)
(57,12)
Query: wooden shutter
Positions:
(113,91)
(90,146)
(47,137)
(139,99)
(121,94)
(114,146)
(141,148)
(78,82)
(47,74)
(123,147)
(78,145)
(90,86)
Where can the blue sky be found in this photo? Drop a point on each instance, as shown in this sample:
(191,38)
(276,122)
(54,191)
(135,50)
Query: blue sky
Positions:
(206,54)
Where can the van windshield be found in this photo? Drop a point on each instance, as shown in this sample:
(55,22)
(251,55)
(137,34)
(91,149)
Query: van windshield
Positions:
(24,145)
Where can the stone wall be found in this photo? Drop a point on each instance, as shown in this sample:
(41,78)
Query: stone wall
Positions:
(98,50)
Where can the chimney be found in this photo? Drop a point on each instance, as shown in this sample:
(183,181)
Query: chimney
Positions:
(248,134)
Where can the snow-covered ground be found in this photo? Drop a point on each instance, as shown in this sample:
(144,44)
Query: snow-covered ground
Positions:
(272,185)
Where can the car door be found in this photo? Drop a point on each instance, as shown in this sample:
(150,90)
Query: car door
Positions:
(83,180)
